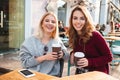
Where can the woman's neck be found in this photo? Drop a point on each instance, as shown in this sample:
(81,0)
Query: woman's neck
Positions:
(46,38)
(79,32)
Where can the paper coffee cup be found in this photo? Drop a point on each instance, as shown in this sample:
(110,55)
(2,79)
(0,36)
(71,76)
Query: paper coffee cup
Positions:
(56,47)
(77,56)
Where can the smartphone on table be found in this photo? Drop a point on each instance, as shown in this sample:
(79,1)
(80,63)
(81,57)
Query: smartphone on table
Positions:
(26,73)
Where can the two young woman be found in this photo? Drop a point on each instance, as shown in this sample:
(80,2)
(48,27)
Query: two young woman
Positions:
(36,51)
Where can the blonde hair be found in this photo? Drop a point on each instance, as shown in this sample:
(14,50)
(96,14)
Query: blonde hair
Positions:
(39,33)
(86,31)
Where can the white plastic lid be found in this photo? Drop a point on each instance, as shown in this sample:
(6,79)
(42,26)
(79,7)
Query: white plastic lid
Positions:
(79,54)
(56,45)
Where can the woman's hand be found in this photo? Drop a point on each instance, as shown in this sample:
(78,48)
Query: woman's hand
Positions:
(48,56)
(72,58)
(51,56)
(60,54)
(83,62)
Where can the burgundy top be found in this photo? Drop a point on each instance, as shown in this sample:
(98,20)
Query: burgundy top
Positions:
(97,52)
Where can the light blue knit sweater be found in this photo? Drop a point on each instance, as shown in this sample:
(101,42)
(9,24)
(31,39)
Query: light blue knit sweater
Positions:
(33,47)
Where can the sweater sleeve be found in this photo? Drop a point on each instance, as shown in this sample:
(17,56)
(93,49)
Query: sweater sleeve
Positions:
(64,49)
(102,49)
(27,59)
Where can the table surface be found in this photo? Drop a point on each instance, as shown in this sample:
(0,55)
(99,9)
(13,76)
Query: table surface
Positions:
(15,75)
(111,38)
(114,34)
(95,75)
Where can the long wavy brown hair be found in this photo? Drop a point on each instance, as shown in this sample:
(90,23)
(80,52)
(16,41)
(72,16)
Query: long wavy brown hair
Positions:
(86,31)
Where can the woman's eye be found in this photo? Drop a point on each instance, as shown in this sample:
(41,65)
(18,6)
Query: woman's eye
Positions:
(82,18)
(46,20)
(75,18)
(53,21)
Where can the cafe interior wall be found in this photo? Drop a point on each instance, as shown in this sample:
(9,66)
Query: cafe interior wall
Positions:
(93,6)
(39,7)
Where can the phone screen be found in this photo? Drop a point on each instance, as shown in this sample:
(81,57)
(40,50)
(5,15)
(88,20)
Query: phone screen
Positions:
(26,72)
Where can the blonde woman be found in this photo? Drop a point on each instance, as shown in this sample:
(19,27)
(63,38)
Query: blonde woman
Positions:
(84,38)
(36,52)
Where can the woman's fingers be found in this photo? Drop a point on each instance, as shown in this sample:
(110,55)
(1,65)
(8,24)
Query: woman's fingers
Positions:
(83,62)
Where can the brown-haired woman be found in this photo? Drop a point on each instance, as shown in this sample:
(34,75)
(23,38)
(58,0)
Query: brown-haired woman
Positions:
(84,38)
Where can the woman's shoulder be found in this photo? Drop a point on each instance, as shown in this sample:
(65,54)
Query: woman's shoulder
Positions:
(29,39)
(96,33)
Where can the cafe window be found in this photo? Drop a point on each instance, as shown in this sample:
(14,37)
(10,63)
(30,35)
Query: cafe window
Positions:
(11,24)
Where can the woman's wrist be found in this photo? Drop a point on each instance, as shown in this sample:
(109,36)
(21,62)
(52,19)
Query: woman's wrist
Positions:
(41,58)
(44,57)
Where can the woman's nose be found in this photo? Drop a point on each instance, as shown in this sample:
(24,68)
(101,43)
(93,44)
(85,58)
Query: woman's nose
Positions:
(50,22)
(78,21)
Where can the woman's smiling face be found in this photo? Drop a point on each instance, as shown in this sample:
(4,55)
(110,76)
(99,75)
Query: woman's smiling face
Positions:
(49,24)
(78,20)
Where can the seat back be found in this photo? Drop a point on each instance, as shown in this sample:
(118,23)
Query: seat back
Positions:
(115,48)
(69,65)
(116,42)
(61,67)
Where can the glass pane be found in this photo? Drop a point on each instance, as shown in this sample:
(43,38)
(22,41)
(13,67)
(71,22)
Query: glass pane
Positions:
(4,33)
(12,32)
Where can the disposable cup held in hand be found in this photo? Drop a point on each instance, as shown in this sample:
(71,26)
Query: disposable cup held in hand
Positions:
(77,56)
(56,48)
